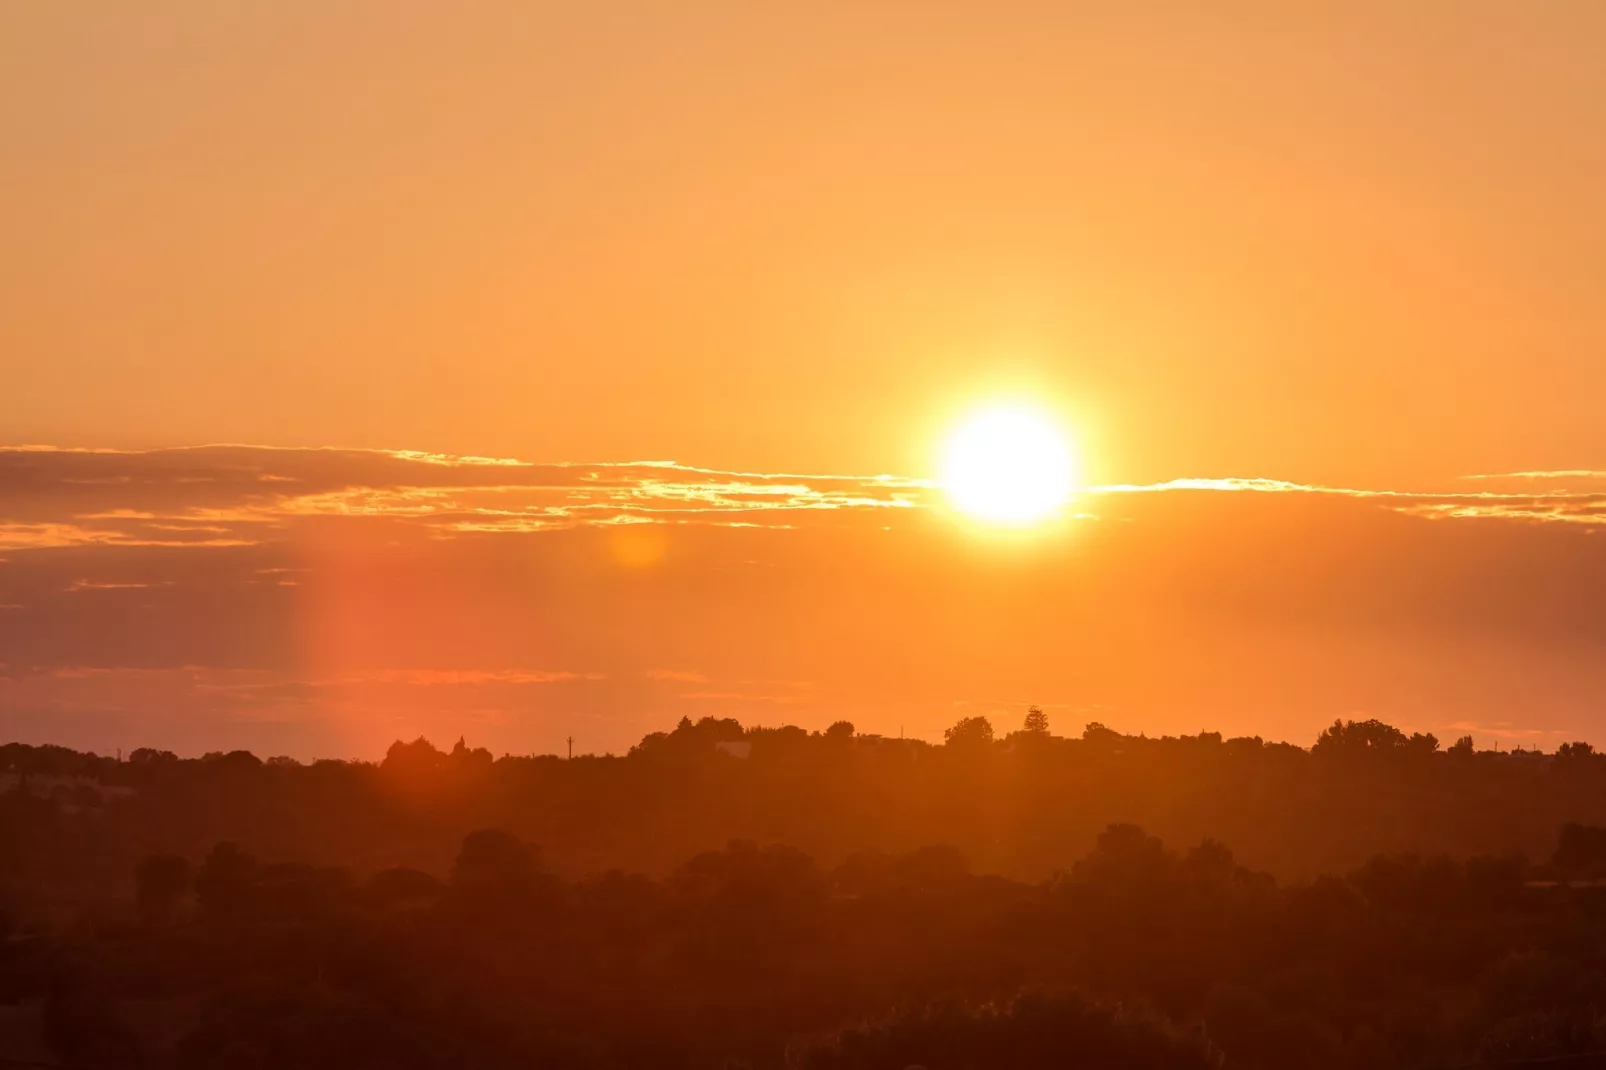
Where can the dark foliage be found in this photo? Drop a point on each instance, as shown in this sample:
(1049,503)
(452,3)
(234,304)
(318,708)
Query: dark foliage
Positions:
(877,904)
(1032,1030)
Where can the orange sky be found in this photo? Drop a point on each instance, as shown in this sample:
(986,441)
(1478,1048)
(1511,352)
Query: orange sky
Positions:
(321,602)
(1350,245)
(1351,242)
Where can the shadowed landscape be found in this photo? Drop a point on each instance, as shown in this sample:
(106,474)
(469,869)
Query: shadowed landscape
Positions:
(723,897)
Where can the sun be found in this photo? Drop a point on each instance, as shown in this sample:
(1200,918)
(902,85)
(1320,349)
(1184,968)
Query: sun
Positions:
(1008,465)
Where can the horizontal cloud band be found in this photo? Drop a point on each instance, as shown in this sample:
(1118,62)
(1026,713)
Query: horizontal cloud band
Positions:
(245,495)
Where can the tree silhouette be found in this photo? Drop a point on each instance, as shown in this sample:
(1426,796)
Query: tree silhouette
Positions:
(223,884)
(1365,737)
(415,761)
(497,880)
(1575,753)
(1422,743)
(969,733)
(1096,732)
(161,881)
(1036,721)
(401,886)
(494,856)
(1580,852)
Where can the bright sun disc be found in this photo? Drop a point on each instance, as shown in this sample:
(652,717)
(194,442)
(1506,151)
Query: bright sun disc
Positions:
(1007,465)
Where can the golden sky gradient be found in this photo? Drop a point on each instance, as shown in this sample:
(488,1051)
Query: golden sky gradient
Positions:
(1290,275)
(1339,242)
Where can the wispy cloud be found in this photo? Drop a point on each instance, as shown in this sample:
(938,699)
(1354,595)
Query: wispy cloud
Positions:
(465,677)
(1558,473)
(1503,730)
(1578,507)
(108,585)
(747,696)
(241,495)
(234,496)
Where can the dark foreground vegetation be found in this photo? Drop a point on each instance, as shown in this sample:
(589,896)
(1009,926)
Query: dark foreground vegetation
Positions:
(811,901)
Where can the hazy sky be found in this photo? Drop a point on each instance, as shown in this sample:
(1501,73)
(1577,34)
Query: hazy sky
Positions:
(1350,242)
(327,602)
(1356,246)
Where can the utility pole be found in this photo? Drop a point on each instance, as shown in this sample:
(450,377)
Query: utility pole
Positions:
(571,748)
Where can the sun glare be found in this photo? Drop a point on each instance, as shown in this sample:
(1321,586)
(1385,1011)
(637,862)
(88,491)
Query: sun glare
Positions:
(1008,465)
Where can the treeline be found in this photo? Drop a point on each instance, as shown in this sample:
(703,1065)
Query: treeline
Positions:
(727,897)
(1025,804)
(1136,957)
